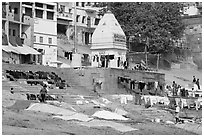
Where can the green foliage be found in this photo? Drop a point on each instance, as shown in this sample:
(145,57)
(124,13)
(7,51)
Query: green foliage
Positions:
(161,22)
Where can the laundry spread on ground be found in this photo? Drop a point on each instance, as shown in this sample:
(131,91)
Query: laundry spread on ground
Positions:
(76,116)
(50,109)
(103,123)
(108,115)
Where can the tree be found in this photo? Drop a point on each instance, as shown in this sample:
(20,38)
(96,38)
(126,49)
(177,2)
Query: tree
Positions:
(160,22)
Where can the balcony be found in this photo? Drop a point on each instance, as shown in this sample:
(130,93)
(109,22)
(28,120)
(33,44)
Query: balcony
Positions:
(90,9)
(11,16)
(65,16)
(27,20)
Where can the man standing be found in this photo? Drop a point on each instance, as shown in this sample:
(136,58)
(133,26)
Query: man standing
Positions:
(174,86)
(43,93)
(197,83)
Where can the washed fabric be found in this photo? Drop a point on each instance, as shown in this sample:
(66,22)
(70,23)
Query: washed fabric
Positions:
(183,103)
(178,100)
(155,99)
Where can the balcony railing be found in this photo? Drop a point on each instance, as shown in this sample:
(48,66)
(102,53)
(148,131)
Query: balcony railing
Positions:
(65,15)
(11,16)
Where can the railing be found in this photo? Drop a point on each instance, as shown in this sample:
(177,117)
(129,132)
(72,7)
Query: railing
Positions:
(65,15)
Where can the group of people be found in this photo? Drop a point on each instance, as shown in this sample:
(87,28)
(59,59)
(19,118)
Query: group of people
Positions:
(177,90)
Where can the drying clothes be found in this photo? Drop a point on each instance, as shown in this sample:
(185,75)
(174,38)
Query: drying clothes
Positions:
(141,86)
(123,100)
(138,99)
(132,84)
(183,103)
(155,99)
(94,58)
(178,100)
(156,83)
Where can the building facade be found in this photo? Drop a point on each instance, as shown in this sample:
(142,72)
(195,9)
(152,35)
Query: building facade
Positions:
(45,32)
(17,30)
(86,18)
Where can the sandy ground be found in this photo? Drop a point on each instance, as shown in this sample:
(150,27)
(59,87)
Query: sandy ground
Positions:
(18,121)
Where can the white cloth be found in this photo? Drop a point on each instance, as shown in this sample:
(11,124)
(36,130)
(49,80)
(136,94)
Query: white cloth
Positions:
(155,99)
(123,100)
(156,84)
(195,87)
(183,103)
(177,109)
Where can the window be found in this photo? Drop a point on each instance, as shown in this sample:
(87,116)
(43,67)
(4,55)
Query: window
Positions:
(39,5)
(96,21)
(28,11)
(50,15)
(88,4)
(86,38)
(89,21)
(62,8)
(41,39)
(10,9)
(83,4)
(77,18)
(51,7)
(83,19)
(39,13)
(15,10)
(9,32)
(34,38)
(50,40)
(77,3)
(14,32)
(27,3)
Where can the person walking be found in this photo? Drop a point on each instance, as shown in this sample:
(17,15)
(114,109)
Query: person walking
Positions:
(43,93)
(198,83)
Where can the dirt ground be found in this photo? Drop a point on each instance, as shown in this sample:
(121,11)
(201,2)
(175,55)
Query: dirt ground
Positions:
(18,121)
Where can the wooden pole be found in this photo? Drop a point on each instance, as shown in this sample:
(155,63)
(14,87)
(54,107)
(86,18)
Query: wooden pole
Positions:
(157,61)
(147,44)
(75,29)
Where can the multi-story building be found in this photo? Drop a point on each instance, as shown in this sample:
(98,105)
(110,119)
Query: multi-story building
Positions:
(17,28)
(86,18)
(192,8)
(45,32)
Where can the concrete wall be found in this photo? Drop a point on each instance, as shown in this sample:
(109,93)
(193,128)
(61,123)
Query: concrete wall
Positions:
(85,77)
(45,26)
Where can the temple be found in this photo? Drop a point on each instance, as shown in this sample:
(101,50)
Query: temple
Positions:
(108,44)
